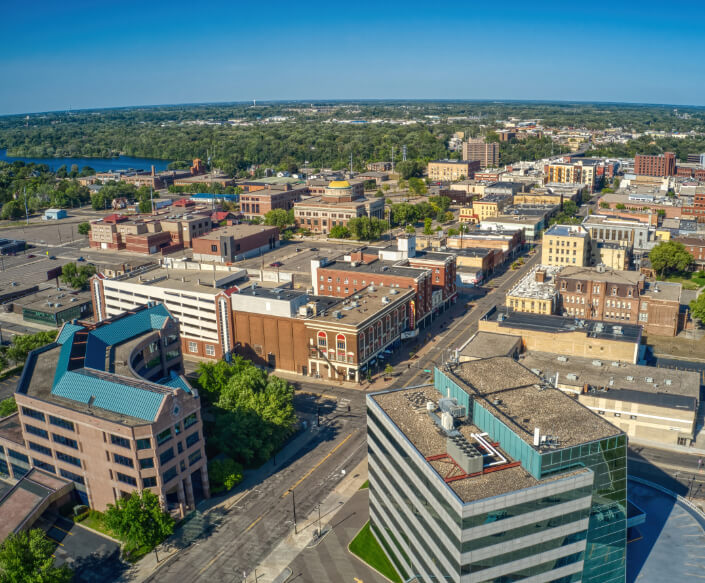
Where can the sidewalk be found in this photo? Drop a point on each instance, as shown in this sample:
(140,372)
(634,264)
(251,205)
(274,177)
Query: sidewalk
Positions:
(146,567)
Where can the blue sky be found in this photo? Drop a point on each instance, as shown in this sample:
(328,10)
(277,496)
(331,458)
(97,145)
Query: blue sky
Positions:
(102,53)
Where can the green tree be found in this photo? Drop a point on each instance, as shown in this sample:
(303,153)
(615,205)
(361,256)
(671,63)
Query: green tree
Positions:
(84,228)
(279,218)
(367,228)
(139,521)
(340,232)
(77,277)
(7,406)
(12,210)
(620,206)
(87,171)
(440,203)
(417,186)
(697,308)
(224,474)
(427,226)
(22,345)
(404,213)
(389,369)
(670,257)
(410,169)
(26,557)
(410,229)
(145,205)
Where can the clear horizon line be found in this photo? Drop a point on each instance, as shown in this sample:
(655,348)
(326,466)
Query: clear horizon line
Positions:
(357,100)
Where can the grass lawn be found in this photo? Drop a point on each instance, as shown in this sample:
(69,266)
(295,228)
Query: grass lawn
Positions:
(94,520)
(691,281)
(365,485)
(366,547)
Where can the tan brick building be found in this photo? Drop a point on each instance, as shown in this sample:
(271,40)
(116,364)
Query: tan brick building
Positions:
(450,170)
(478,149)
(566,245)
(105,407)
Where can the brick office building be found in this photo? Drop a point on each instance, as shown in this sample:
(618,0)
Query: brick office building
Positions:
(663,165)
(479,149)
(445,170)
(105,407)
(228,244)
(257,203)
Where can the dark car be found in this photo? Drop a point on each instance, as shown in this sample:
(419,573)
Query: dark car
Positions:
(276,264)
(80,259)
(52,257)
(31,255)
(313,249)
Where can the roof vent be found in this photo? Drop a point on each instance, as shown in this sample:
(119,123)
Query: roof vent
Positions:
(596,363)
(649,379)
(669,382)
(615,363)
(630,378)
(571,376)
(562,359)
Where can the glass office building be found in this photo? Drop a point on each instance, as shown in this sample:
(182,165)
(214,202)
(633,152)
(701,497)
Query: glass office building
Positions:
(551,512)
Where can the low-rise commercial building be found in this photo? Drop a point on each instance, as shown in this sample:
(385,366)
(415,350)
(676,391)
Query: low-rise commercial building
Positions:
(648,403)
(235,242)
(536,292)
(634,234)
(106,407)
(52,307)
(494,475)
(567,336)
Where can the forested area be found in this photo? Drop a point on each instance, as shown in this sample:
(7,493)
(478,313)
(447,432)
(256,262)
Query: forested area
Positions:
(311,132)
(653,146)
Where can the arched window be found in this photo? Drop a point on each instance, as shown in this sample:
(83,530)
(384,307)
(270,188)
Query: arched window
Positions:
(340,341)
(322,340)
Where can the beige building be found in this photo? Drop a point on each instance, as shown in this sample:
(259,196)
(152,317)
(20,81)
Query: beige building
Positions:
(586,338)
(449,170)
(490,206)
(611,255)
(470,187)
(566,245)
(535,293)
(106,407)
(648,403)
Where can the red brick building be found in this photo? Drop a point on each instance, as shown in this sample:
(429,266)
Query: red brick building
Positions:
(697,209)
(664,165)
(695,245)
(257,203)
(228,244)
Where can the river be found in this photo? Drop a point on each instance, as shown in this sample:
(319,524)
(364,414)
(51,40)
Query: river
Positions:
(98,164)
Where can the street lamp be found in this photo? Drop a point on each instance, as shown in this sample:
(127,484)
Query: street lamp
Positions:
(293,505)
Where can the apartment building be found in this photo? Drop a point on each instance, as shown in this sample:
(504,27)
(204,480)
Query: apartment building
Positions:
(235,242)
(490,206)
(494,475)
(478,149)
(536,292)
(451,170)
(695,245)
(663,165)
(106,406)
(566,245)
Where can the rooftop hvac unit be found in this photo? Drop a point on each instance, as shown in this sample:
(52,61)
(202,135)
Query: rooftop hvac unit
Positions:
(630,378)
(614,363)
(562,359)
(571,376)
(430,406)
(447,421)
(649,379)
(337,314)
(385,300)
(669,382)
(617,330)
(536,371)
(596,363)
(393,292)
(457,411)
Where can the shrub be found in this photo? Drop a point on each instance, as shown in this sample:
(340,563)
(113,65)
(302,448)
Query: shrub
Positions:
(224,474)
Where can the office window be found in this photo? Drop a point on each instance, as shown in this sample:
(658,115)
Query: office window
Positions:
(210,350)
(72,443)
(69,459)
(121,441)
(36,431)
(39,448)
(164,436)
(167,455)
(192,347)
(146,463)
(149,482)
(170,474)
(61,422)
(194,457)
(122,460)
(617,414)
(190,420)
(71,476)
(145,443)
(33,414)
(191,439)
(43,465)
(126,479)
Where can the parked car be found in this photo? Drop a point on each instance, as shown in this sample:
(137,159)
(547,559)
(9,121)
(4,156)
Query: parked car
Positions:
(276,264)
(31,255)
(80,259)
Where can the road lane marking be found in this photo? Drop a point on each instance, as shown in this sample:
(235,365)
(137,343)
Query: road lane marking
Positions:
(213,560)
(254,522)
(307,474)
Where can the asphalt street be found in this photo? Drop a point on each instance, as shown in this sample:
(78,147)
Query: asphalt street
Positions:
(244,529)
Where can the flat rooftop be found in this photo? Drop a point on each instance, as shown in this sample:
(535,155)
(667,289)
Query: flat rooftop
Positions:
(416,425)
(488,344)
(193,280)
(618,276)
(663,290)
(529,288)
(26,498)
(364,305)
(526,402)
(53,301)
(236,231)
(557,324)
(613,375)
(566,231)
(375,268)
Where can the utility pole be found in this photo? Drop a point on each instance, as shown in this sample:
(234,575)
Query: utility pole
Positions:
(26,208)
(293,505)
(392,159)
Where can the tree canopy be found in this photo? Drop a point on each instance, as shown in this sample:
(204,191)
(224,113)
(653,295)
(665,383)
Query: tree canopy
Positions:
(21,346)
(670,257)
(253,412)
(139,520)
(367,228)
(26,557)
(697,307)
(77,277)
(279,218)
(339,232)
